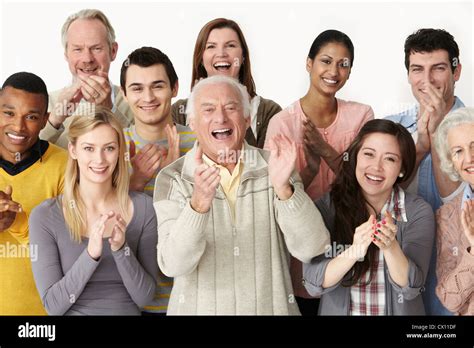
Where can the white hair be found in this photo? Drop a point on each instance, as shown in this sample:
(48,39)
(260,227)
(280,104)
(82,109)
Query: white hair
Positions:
(456,118)
(89,14)
(219,80)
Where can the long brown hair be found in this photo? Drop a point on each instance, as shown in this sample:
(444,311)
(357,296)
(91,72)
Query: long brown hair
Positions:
(245,72)
(72,202)
(348,199)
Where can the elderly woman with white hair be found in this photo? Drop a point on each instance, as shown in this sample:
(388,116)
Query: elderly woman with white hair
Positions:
(455,267)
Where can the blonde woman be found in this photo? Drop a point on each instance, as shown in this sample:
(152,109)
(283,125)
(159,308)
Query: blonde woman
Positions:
(97,240)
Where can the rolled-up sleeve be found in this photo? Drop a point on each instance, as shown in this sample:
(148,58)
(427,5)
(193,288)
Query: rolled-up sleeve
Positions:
(417,245)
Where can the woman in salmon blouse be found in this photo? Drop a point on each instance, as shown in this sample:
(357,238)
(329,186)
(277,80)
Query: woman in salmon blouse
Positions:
(322,125)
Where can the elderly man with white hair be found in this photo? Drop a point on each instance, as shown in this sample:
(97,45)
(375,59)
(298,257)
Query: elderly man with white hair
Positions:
(230,215)
(455,265)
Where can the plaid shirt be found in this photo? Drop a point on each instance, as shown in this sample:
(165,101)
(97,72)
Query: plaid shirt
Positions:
(370,298)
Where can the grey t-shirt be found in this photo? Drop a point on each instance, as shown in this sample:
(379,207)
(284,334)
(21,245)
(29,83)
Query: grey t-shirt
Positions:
(70,282)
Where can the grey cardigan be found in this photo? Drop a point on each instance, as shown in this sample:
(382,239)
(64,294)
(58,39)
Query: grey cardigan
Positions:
(234,268)
(416,238)
(70,282)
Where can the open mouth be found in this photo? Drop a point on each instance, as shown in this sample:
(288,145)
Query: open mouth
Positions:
(330,81)
(469,170)
(98,170)
(89,71)
(16,139)
(149,107)
(374,178)
(222,66)
(222,134)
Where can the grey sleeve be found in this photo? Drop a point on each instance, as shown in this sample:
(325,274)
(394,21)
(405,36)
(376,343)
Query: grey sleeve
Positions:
(301,224)
(417,245)
(313,272)
(139,272)
(313,275)
(58,291)
(181,230)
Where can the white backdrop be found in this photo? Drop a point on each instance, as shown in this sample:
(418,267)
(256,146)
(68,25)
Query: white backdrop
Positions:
(279,35)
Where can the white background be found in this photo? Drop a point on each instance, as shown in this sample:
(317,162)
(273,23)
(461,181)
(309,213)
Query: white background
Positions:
(279,35)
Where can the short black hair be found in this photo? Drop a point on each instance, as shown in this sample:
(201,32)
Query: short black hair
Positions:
(429,40)
(329,36)
(145,57)
(28,82)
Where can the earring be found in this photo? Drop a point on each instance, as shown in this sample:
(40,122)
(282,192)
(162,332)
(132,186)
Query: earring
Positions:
(400,175)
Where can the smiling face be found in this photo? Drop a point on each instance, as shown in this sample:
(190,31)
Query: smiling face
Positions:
(219,121)
(379,162)
(87,49)
(461,148)
(23,116)
(97,154)
(330,68)
(149,93)
(432,68)
(223,53)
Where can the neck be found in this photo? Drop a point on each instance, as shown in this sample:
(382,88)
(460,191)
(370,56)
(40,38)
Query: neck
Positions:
(96,196)
(154,132)
(318,107)
(229,162)
(377,203)
(13,157)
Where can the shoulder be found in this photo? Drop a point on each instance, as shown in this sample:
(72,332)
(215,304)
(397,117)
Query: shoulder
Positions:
(355,108)
(171,172)
(142,202)
(47,212)
(288,115)
(405,118)
(450,209)
(268,106)
(56,154)
(417,207)
(184,130)
(170,179)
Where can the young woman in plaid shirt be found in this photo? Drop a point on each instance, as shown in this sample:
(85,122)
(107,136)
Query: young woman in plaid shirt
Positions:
(381,236)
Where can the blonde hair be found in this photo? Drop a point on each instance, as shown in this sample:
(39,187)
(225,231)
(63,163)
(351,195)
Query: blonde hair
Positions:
(72,202)
(89,14)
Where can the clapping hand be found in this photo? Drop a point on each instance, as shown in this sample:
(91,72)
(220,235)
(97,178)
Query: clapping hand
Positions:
(206,180)
(281,165)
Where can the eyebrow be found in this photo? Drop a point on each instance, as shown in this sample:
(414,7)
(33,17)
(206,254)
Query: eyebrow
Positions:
(386,153)
(138,84)
(112,142)
(11,107)
(460,146)
(213,42)
(90,46)
(207,104)
(434,65)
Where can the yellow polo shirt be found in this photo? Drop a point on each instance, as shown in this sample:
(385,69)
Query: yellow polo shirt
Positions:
(229,182)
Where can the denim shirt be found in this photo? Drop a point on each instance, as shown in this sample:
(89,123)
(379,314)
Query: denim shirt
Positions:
(429,191)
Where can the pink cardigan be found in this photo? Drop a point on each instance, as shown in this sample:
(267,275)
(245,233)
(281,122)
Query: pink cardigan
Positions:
(455,265)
